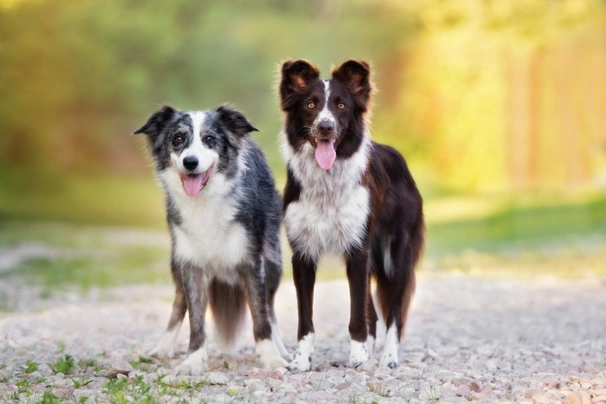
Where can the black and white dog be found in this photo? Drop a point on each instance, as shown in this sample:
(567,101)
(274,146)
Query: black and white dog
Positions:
(224,216)
(349,196)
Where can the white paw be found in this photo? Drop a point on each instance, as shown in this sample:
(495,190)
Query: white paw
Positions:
(166,346)
(268,355)
(358,354)
(300,363)
(275,337)
(389,358)
(194,364)
(302,360)
(388,361)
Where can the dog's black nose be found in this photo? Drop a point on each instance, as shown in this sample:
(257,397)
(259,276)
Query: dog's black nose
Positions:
(190,162)
(326,128)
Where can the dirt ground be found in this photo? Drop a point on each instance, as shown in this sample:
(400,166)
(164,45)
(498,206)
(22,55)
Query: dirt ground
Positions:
(468,339)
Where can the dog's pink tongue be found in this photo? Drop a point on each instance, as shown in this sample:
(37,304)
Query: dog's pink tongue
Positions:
(325,153)
(192,184)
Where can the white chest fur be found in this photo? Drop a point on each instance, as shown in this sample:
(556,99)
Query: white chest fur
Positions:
(208,236)
(332,210)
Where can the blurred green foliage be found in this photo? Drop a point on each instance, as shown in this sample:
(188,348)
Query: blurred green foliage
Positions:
(480,95)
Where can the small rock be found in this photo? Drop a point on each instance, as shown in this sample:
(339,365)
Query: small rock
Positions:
(169,378)
(475,386)
(430,353)
(343,386)
(114,371)
(369,366)
(579,397)
(63,392)
(217,378)
(491,366)
(463,391)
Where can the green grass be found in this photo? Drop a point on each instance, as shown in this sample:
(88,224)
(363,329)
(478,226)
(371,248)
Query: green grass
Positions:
(102,200)
(65,365)
(526,233)
(535,224)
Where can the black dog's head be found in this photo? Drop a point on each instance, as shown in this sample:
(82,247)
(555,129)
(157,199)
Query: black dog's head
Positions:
(329,114)
(194,145)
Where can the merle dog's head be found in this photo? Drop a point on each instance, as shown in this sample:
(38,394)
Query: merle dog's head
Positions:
(329,114)
(193,146)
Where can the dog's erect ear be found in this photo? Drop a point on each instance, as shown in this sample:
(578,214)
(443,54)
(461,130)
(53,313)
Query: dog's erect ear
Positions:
(356,75)
(234,121)
(157,122)
(296,76)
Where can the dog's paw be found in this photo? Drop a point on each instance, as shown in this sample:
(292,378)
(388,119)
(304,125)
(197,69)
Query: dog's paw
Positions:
(269,355)
(389,358)
(300,363)
(162,352)
(302,360)
(358,354)
(166,346)
(194,364)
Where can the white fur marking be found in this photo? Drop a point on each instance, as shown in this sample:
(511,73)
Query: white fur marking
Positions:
(268,354)
(166,345)
(387,260)
(194,364)
(208,237)
(333,207)
(390,350)
(275,336)
(325,114)
(305,349)
(370,346)
(206,157)
(358,353)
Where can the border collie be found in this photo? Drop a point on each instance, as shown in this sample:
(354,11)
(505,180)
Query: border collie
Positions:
(224,215)
(349,196)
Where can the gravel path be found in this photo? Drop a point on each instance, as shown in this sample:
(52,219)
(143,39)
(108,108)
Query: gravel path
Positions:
(468,339)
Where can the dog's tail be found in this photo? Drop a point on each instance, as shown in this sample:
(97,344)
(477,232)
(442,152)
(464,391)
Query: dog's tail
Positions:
(228,307)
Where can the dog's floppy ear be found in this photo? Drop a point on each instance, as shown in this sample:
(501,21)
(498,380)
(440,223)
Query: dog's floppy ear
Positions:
(356,76)
(296,76)
(157,122)
(234,121)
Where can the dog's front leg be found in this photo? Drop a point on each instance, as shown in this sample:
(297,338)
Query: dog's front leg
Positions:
(254,286)
(167,344)
(304,273)
(195,285)
(357,275)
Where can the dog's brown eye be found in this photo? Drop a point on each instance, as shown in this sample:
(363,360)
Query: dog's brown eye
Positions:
(340,105)
(178,139)
(311,104)
(210,141)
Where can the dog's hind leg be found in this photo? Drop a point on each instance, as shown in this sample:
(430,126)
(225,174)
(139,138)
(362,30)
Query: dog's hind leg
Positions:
(394,293)
(167,345)
(266,349)
(273,272)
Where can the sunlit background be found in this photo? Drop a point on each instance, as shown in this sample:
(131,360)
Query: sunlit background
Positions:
(499,107)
